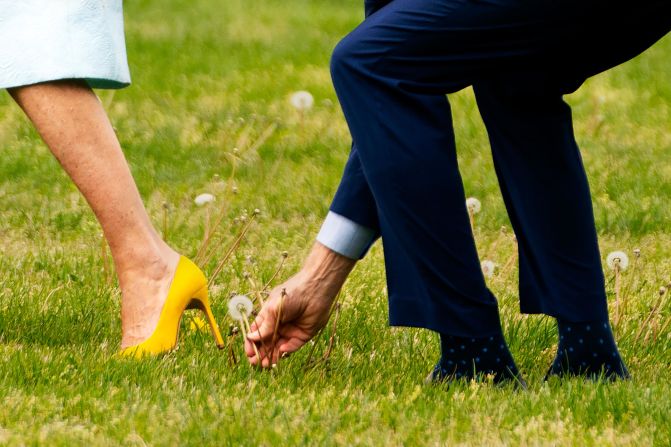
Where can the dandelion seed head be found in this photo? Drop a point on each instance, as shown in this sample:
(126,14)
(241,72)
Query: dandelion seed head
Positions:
(285,254)
(239,307)
(488,268)
(662,290)
(302,100)
(257,211)
(637,252)
(474,206)
(235,190)
(617,259)
(203,199)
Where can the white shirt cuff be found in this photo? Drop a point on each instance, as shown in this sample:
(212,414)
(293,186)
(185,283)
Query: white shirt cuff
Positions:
(345,236)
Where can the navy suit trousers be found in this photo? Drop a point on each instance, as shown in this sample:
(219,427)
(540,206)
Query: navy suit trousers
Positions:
(392,74)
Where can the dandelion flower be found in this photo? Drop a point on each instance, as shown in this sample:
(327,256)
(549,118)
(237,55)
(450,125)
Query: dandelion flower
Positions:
(619,259)
(488,268)
(203,199)
(474,206)
(239,307)
(197,324)
(302,100)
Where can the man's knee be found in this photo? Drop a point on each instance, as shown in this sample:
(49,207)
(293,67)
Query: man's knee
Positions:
(355,56)
(344,59)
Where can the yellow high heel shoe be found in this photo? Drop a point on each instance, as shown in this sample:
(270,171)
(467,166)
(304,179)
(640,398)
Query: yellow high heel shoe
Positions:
(187,291)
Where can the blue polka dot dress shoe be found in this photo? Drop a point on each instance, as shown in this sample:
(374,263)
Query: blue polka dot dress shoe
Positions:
(587,349)
(480,358)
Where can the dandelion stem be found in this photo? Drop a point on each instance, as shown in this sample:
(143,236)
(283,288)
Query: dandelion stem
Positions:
(255,290)
(471,218)
(277,272)
(231,353)
(263,137)
(308,362)
(233,332)
(327,354)
(277,324)
(497,241)
(653,311)
(617,293)
(231,250)
(206,232)
(247,330)
(511,261)
(222,213)
(664,328)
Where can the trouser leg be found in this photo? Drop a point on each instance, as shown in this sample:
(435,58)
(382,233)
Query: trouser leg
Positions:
(547,196)
(391,75)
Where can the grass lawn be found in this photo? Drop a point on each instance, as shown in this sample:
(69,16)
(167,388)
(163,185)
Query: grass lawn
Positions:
(210,105)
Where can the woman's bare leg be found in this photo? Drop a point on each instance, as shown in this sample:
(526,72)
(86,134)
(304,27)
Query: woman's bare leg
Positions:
(72,122)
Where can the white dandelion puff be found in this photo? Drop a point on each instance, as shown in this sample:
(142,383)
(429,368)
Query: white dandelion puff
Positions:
(302,100)
(617,259)
(474,206)
(488,268)
(240,307)
(203,199)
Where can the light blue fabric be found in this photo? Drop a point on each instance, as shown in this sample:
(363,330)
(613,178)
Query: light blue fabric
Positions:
(47,40)
(345,236)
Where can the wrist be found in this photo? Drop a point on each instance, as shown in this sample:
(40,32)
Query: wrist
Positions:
(324,264)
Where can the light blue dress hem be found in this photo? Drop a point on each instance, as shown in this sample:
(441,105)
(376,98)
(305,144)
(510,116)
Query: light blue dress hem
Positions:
(96,83)
(47,40)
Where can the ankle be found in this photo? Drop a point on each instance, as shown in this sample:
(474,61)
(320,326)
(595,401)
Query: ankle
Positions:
(147,266)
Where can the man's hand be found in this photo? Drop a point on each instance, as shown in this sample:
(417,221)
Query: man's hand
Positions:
(303,309)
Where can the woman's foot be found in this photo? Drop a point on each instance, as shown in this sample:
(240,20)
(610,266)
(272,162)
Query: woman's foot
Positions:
(144,289)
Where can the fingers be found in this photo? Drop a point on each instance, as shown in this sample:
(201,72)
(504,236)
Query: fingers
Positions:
(290,345)
(291,340)
(277,351)
(263,327)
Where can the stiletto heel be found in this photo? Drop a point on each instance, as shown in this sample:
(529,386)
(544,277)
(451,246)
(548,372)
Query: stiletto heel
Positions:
(187,291)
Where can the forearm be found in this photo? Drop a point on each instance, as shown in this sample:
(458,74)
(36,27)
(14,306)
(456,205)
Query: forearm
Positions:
(326,268)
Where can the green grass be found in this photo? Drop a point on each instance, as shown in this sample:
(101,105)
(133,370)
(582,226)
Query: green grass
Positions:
(211,76)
